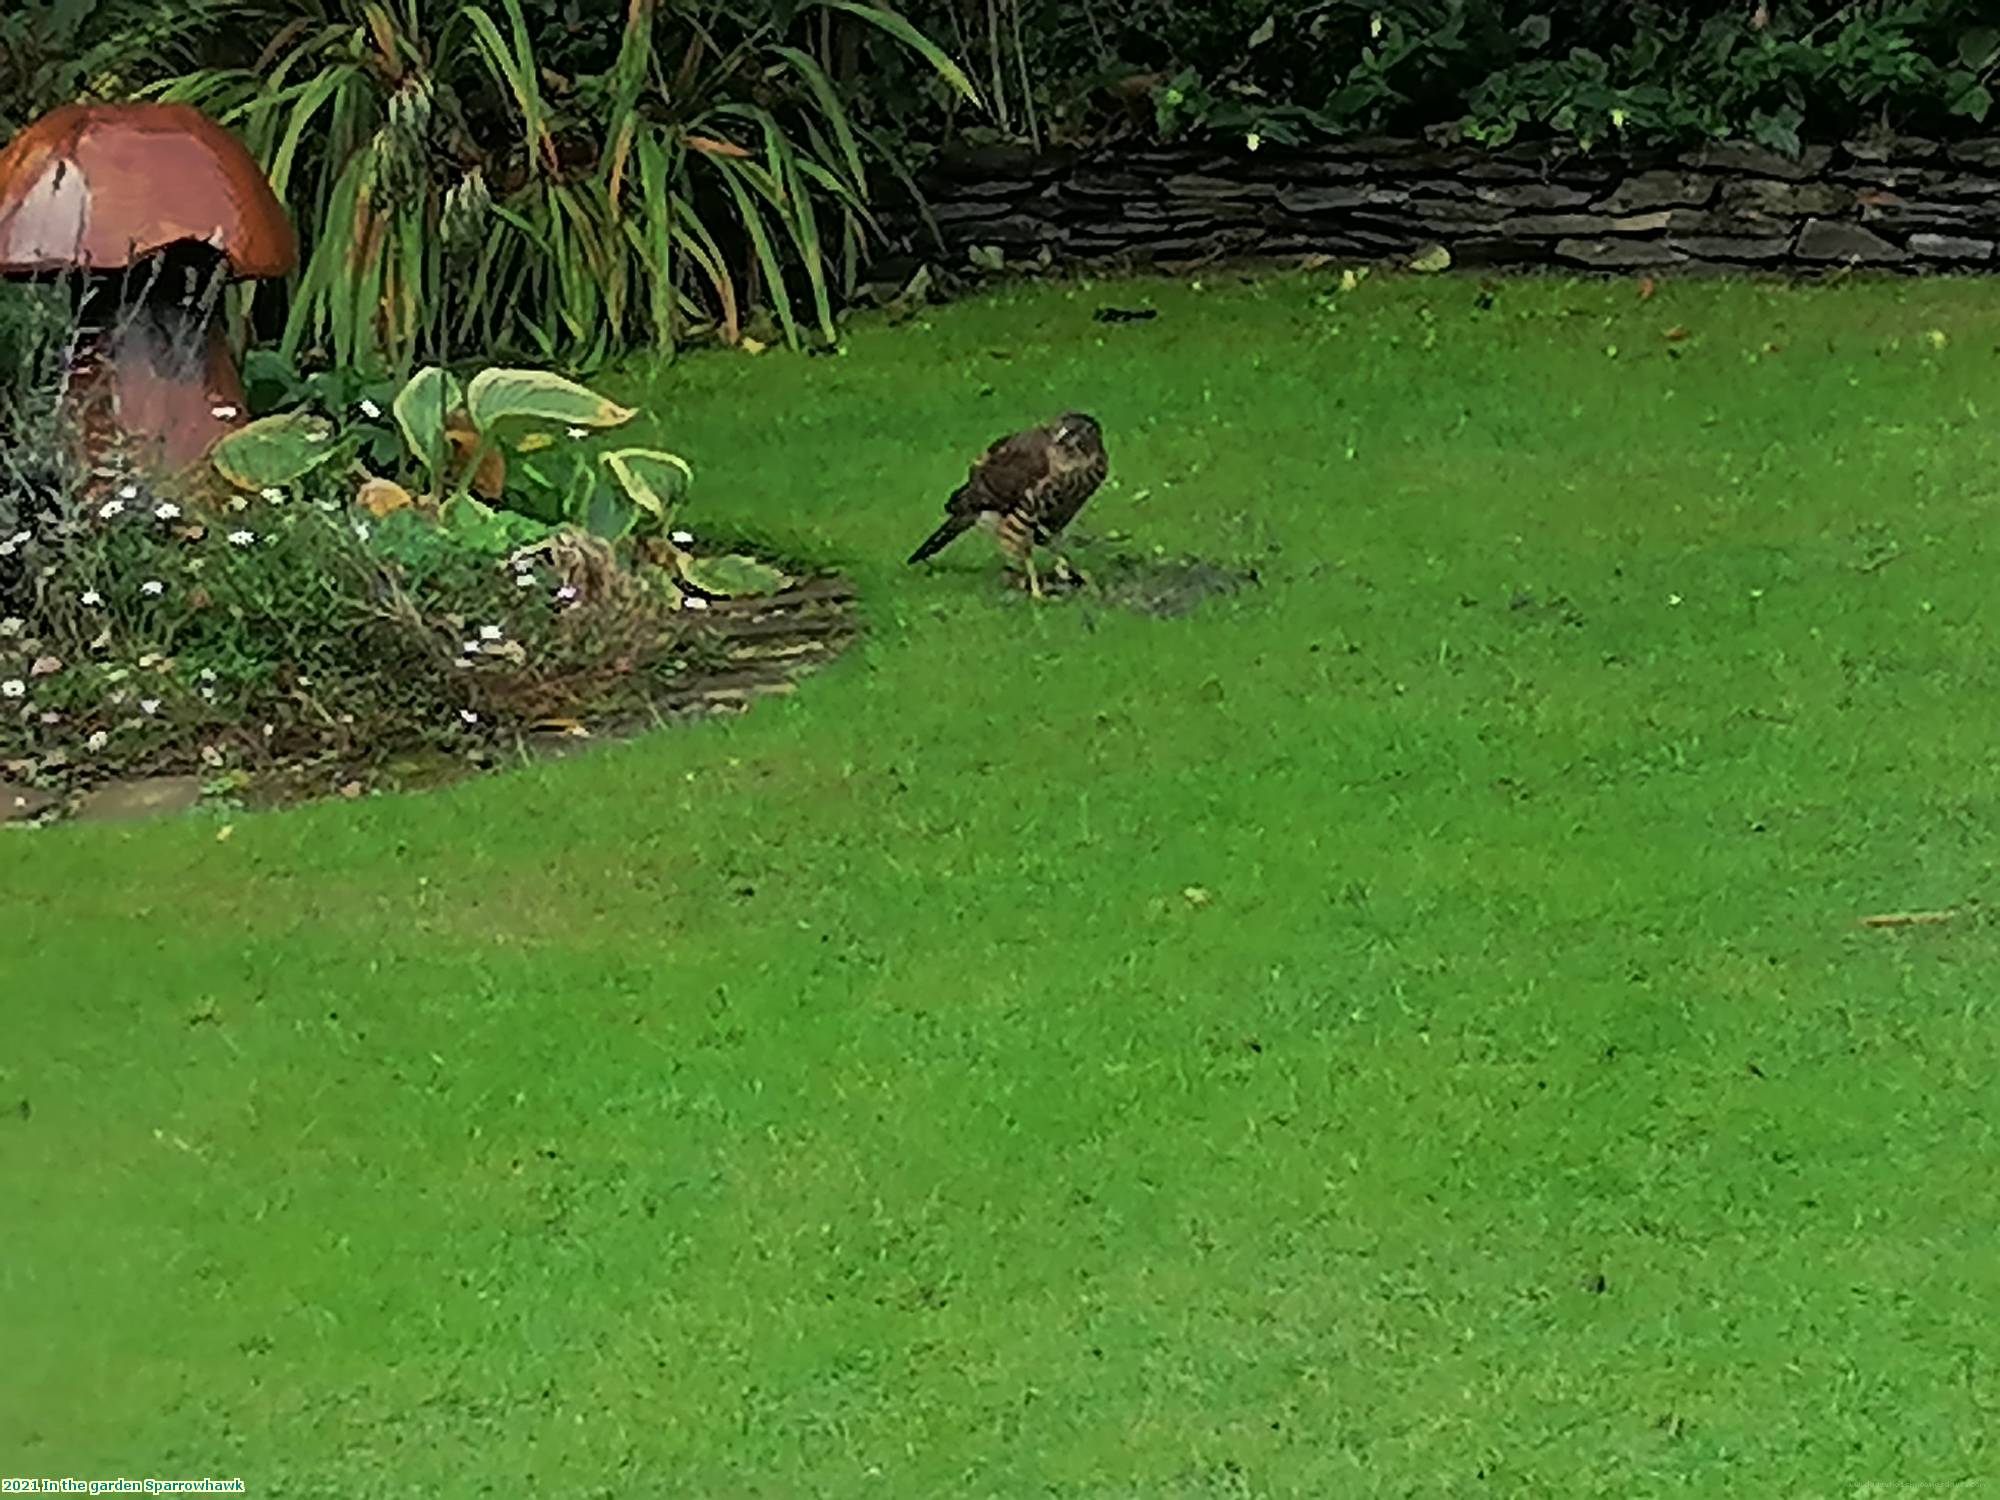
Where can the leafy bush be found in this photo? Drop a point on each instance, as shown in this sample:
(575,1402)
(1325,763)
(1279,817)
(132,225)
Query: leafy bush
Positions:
(148,628)
(1585,71)
(459,191)
(522,439)
(52,51)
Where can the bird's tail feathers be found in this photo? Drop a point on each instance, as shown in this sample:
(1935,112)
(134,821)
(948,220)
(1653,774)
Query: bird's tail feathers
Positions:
(954,526)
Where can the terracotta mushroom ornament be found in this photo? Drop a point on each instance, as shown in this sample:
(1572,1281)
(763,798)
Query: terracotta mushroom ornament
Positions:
(151,207)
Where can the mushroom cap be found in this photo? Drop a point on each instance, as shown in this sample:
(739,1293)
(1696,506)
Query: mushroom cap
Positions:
(99,187)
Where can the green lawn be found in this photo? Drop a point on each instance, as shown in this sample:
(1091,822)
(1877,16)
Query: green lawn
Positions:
(850,1100)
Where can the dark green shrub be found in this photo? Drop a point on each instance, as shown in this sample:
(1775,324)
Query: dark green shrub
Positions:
(1587,71)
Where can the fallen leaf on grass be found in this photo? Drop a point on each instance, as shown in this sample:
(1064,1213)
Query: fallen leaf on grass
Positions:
(1909,918)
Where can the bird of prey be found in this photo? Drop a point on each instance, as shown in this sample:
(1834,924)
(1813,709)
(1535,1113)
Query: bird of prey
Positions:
(1026,489)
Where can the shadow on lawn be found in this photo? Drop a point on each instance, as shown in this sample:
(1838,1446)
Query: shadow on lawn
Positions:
(1164,587)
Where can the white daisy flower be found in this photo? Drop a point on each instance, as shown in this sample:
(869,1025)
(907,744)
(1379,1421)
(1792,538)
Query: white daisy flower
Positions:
(471,648)
(166,510)
(153,588)
(579,432)
(110,508)
(489,632)
(13,687)
(149,706)
(128,492)
(681,538)
(90,599)
(272,493)
(369,409)
(97,741)
(242,538)
(695,601)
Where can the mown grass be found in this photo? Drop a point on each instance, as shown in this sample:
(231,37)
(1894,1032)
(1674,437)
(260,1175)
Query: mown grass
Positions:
(852,1099)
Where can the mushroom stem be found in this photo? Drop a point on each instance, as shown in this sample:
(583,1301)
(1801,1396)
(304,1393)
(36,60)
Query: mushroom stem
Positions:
(157,378)
(165,377)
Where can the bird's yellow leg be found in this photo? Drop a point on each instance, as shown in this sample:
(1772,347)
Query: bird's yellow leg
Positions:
(1070,570)
(1034,581)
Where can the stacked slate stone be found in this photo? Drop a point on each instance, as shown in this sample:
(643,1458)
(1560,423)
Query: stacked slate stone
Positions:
(1898,202)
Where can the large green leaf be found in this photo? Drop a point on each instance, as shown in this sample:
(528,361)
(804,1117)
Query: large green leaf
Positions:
(733,576)
(421,408)
(273,451)
(654,481)
(498,395)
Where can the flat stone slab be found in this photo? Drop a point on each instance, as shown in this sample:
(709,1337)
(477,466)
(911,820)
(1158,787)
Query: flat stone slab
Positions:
(20,804)
(1834,239)
(148,797)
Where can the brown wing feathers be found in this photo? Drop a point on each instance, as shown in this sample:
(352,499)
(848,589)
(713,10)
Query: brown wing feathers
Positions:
(1009,471)
(1031,485)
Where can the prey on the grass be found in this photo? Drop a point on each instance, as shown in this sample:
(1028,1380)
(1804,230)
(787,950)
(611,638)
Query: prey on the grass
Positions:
(1026,489)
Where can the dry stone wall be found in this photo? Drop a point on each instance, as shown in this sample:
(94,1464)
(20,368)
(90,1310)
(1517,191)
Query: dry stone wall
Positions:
(1902,203)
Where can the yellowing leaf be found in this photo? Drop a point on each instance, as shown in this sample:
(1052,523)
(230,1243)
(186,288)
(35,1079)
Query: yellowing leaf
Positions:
(381,497)
(709,146)
(535,442)
(1431,259)
(496,396)
(491,478)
